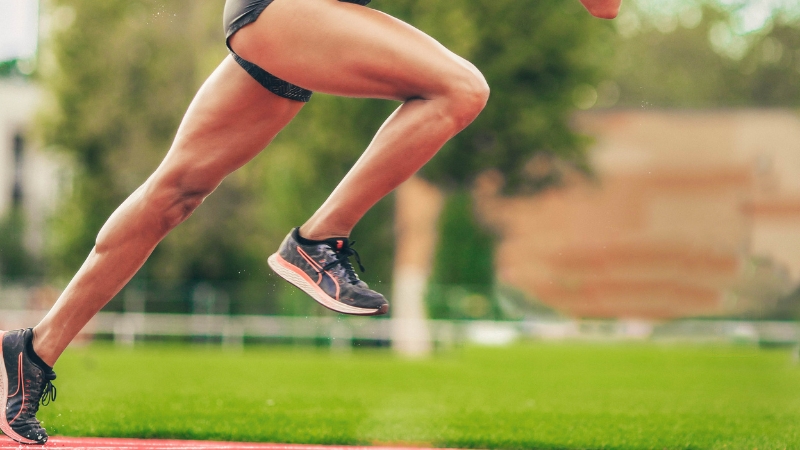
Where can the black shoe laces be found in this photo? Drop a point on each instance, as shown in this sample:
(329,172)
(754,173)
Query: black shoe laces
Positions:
(342,258)
(49,392)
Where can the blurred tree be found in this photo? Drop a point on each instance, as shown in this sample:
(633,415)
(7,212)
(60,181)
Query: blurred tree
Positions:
(697,56)
(16,263)
(463,269)
(125,73)
(534,56)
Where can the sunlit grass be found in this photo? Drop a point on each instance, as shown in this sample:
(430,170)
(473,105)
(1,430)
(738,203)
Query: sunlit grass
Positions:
(527,396)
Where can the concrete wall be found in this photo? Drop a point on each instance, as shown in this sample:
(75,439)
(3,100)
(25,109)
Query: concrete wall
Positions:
(42,177)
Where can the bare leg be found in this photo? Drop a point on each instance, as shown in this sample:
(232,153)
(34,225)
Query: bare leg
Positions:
(231,119)
(355,51)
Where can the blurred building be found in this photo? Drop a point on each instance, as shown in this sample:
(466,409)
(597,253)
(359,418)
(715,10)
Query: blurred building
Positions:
(690,213)
(30,179)
(19,26)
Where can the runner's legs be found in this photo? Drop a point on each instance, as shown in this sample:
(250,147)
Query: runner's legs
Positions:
(231,119)
(346,49)
(322,45)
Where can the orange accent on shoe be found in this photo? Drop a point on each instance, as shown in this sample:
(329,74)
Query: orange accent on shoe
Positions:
(338,288)
(308,259)
(312,263)
(316,266)
(20,383)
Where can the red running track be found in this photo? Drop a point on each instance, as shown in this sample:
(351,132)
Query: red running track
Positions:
(158,444)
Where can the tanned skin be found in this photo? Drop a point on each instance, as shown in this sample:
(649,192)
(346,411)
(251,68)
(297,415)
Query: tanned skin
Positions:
(604,9)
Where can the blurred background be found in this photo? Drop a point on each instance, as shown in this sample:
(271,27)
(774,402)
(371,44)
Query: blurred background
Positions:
(628,179)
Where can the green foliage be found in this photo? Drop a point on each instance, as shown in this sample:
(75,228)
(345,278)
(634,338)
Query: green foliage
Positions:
(543,396)
(126,72)
(533,55)
(681,66)
(15,261)
(461,285)
(8,68)
(787,307)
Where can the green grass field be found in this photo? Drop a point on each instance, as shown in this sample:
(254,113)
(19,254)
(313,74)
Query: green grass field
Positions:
(548,396)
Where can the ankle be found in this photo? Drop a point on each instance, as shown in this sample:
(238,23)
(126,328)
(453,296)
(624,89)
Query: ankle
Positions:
(311,233)
(41,349)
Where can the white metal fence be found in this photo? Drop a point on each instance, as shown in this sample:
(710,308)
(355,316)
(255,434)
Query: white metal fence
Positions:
(343,331)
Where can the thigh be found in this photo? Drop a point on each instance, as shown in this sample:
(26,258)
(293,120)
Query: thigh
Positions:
(345,49)
(230,120)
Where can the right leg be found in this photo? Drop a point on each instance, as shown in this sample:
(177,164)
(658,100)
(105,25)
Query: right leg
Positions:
(345,49)
(231,120)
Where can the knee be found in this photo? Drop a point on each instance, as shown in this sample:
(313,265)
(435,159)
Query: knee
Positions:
(468,95)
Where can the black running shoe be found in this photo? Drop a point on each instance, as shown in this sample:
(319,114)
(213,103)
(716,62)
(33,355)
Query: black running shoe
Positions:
(23,385)
(322,270)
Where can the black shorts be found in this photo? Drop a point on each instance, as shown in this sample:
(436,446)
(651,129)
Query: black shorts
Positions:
(239,13)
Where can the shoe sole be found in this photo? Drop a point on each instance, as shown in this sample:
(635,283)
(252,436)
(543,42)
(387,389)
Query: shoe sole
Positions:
(298,278)
(4,425)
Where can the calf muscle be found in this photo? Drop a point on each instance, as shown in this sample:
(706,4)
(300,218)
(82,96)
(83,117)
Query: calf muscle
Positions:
(231,120)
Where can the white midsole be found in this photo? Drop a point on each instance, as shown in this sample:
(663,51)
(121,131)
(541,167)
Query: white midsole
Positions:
(4,425)
(276,263)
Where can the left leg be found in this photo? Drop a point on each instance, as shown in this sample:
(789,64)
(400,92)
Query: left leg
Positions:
(231,119)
